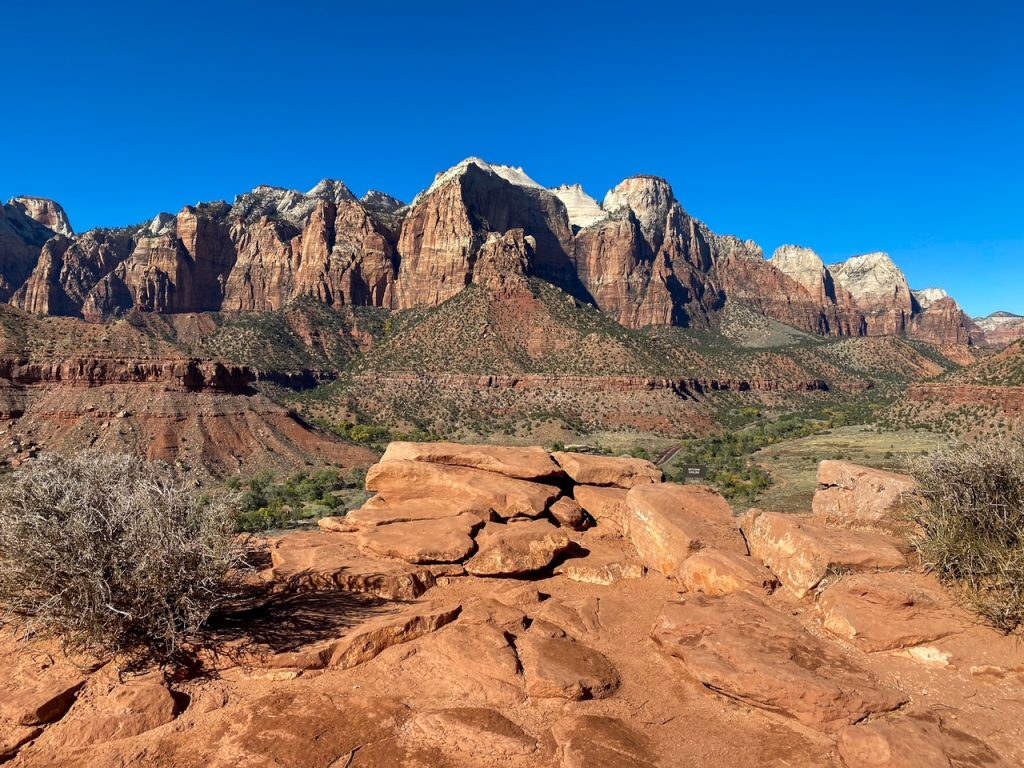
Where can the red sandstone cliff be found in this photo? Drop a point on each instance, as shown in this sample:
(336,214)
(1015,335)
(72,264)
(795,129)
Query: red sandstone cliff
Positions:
(638,256)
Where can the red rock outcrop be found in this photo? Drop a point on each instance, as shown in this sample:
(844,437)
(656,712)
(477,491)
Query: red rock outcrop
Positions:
(363,654)
(639,257)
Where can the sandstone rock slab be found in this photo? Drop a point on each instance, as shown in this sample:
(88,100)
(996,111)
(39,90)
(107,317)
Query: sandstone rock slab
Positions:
(740,647)
(919,740)
(887,611)
(480,733)
(606,505)
(369,639)
(516,550)
(486,493)
(528,463)
(14,737)
(607,470)
(126,711)
(557,667)
(716,572)
(852,496)
(38,697)
(592,741)
(327,562)
(377,511)
(603,562)
(802,552)
(441,540)
(667,523)
(474,663)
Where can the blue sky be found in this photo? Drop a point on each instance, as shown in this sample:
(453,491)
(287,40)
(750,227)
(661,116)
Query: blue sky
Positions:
(847,127)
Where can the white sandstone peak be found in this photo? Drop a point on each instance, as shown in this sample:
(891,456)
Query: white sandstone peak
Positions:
(801,264)
(928,296)
(583,210)
(509,173)
(871,276)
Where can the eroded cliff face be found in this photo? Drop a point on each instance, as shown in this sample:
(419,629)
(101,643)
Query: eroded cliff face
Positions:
(46,212)
(638,256)
(648,261)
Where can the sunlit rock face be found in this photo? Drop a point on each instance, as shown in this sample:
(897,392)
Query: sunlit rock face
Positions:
(638,255)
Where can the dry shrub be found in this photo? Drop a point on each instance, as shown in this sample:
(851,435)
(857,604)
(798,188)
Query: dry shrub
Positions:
(972,521)
(113,554)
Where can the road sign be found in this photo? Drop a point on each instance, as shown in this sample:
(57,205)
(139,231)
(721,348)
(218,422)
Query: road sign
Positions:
(695,471)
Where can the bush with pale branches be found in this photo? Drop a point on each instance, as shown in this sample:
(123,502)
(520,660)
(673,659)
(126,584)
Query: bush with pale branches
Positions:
(113,554)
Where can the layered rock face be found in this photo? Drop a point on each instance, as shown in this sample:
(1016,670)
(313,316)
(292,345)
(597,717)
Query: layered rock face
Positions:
(46,212)
(647,263)
(879,289)
(1000,329)
(638,256)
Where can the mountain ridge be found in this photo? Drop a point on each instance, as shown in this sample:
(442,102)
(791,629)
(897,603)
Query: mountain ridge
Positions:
(637,255)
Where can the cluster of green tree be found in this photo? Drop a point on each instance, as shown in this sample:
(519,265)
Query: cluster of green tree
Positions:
(727,456)
(267,503)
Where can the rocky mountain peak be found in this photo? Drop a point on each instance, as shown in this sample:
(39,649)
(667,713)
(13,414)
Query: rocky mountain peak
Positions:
(649,197)
(381,201)
(46,212)
(928,296)
(511,174)
(162,223)
(331,189)
(871,276)
(583,210)
(800,264)
(288,204)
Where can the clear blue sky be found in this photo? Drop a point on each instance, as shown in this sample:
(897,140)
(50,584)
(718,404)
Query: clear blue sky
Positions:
(847,127)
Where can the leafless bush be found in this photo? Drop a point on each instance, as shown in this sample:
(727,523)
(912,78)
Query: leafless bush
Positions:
(972,518)
(111,553)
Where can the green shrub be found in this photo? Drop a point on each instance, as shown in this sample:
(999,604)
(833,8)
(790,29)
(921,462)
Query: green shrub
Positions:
(972,522)
(113,554)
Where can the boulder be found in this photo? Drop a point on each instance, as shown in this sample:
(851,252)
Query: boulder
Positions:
(371,639)
(919,740)
(531,463)
(593,741)
(886,611)
(559,667)
(515,550)
(568,513)
(606,505)
(486,493)
(602,562)
(853,496)
(802,552)
(618,472)
(328,562)
(444,540)
(738,646)
(667,523)
(715,572)
(367,640)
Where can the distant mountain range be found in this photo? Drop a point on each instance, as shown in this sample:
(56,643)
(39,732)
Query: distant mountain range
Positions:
(638,256)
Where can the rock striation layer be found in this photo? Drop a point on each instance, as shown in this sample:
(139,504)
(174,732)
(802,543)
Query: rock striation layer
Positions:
(638,256)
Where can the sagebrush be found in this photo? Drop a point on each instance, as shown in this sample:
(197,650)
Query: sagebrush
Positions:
(971,518)
(112,553)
